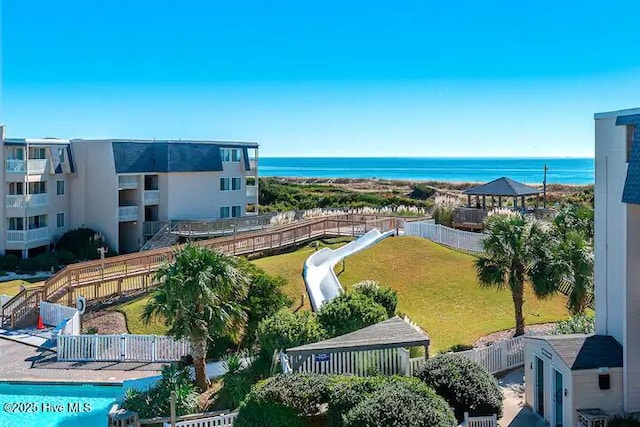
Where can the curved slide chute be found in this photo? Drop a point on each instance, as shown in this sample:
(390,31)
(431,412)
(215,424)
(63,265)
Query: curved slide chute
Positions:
(320,279)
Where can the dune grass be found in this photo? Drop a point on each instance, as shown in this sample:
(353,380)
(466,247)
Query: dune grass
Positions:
(12,287)
(437,289)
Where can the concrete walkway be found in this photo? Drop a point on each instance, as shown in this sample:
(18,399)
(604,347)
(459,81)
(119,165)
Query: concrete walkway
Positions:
(515,413)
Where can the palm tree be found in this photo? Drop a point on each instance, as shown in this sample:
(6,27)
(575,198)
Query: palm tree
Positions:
(516,250)
(573,254)
(199,299)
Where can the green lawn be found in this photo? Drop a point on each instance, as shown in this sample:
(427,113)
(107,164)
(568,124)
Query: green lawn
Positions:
(437,288)
(12,287)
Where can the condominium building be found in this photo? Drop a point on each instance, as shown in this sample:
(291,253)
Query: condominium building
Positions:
(124,189)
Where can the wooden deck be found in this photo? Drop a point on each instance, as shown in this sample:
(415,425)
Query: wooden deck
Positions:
(100,280)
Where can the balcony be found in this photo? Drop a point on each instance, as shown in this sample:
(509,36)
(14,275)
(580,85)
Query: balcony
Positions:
(151,197)
(29,237)
(252,191)
(35,166)
(127,213)
(128,182)
(253,164)
(23,200)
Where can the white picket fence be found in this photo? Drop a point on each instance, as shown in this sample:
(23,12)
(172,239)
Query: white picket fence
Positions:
(458,239)
(217,421)
(52,314)
(389,361)
(120,348)
(491,421)
(498,357)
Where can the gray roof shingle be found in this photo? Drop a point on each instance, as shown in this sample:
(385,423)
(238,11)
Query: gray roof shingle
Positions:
(586,351)
(504,186)
(631,193)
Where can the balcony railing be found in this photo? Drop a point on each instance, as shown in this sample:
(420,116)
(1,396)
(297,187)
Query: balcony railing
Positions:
(127,213)
(252,191)
(127,182)
(37,235)
(23,200)
(151,197)
(253,164)
(36,166)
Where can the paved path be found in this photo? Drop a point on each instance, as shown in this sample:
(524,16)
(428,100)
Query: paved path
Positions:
(515,414)
(20,362)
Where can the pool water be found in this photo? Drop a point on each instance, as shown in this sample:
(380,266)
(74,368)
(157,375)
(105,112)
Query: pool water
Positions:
(40,405)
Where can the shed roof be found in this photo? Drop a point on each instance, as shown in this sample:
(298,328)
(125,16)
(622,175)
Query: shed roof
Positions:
(580,352)
(502,187)
(631,193)
(391,333)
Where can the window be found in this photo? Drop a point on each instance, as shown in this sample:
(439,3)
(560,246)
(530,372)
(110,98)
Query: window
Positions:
(60,220)
(37,153)
(224,212)
(225,154)
(630,131)
(236,211)
(37,221)
(236,183)
(235,155)
(61,155)
(16,224)
(15,153)
(16,188)
(60,188)
(38,187)
(224,184)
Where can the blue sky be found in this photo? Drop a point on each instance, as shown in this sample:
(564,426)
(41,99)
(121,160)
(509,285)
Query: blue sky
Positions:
(331,78)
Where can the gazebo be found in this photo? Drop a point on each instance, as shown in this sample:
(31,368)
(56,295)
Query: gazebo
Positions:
(472,217)
(381,347)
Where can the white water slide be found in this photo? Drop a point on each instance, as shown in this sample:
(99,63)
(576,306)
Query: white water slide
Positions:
(321,281)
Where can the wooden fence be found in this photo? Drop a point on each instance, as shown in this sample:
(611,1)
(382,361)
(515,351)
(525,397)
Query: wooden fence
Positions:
(216,421)
(120,348)
(52,314)
(457,239)
(498,357)
(490,421)
(389,361)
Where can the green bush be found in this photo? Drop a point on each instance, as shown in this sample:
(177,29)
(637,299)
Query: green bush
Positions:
(83,243)
(402,403)
(236,381)
(624,421)
(9,262)
(155,401)
(349,312)
(383,295)
(464,384)
(578,324)
(41,262)
(65,257)
(283,400)
(286,329)
(443,215)
(345,392)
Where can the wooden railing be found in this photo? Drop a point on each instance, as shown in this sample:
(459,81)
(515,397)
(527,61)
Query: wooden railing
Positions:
(101,279)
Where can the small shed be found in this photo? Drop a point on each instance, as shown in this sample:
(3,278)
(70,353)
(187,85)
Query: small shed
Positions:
(572,377)
(380,348)
(499,188)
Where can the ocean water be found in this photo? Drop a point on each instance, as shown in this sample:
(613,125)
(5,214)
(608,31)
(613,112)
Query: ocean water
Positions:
(527,170)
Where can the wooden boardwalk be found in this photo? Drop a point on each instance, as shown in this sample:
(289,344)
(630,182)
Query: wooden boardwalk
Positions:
(100,280)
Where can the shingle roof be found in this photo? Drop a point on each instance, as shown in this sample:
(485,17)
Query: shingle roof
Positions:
(586,351)
(631,193)
(502,187)
(390,333)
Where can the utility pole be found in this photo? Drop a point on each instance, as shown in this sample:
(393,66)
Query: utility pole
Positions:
(544,188)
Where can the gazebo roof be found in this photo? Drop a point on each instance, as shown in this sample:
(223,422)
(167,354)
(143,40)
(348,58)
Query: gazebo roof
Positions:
(391,333)
(502,187)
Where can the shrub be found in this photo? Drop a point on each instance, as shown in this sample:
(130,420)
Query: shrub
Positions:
(578,324)
(155,401)
(236,381)
(402,403)
(624,421)
(41,262)
(464,384)
(286,329)
(283,400)
(65,257)
(9,262)
(83,243)
(385,296)
(350,312)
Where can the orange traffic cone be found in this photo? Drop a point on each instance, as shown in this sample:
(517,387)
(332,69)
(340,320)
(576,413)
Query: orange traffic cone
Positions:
(40,322)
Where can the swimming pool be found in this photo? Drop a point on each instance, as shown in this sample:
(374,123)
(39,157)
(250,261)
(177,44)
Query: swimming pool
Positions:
(53,405)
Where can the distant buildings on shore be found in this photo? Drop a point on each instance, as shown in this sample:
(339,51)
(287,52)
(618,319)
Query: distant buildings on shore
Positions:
(124,189)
